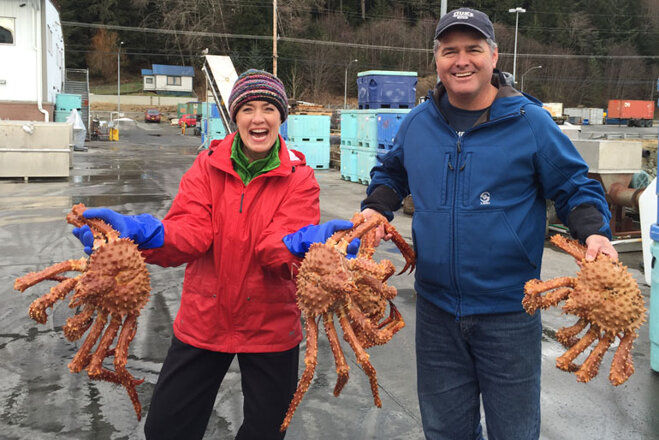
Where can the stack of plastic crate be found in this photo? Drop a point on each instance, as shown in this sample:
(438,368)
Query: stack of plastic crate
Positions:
(349,130)
(377,129)
(368,133)
(310,134)
(388,125)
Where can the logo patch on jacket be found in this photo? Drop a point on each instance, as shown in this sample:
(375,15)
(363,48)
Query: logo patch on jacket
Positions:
(485,198)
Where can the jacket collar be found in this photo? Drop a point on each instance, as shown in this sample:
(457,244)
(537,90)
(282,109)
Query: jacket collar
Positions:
(505,90)
(220,157)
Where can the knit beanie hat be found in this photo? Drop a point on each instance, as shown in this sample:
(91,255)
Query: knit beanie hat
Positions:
(258,85)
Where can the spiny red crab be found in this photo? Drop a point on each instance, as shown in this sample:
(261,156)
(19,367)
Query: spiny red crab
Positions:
(354,290)
(607,300)
(113,283)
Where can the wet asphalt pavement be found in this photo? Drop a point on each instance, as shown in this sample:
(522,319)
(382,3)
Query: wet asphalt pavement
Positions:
(40,399)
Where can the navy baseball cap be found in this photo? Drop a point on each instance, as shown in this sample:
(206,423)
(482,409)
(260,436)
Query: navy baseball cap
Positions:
(466,17)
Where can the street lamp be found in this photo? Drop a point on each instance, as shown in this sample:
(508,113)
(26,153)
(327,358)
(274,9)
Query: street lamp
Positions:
(516,11)
(119,77)
(345,85)
(532,68)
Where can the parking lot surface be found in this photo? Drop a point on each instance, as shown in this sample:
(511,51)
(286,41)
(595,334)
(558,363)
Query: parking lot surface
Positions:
(40,399)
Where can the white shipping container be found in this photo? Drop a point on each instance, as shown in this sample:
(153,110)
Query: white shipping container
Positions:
(577,115)
(554,108)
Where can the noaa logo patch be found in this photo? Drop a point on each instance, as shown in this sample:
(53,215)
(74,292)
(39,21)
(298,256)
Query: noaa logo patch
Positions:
(485,198)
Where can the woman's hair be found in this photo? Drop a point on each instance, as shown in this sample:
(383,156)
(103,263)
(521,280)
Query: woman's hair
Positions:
(258,85)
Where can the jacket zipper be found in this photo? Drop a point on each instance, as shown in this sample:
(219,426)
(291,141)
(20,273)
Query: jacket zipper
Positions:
(456,180)
(454,230)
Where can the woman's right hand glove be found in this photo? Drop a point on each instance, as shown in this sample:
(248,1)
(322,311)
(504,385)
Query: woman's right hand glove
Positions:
(146,231)
(298,242)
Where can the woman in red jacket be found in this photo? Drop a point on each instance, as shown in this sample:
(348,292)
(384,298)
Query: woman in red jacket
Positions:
(238,221)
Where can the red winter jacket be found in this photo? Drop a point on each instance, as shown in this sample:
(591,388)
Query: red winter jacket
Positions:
(238,292)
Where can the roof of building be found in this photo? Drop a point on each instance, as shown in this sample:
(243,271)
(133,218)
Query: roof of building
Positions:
(163,69)
(147,72)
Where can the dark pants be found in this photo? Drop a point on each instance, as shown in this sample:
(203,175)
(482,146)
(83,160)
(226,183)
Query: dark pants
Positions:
(190,378)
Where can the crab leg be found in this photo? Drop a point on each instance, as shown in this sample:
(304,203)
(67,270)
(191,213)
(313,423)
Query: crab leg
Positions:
(101,352)
(623,365)
(384,332)
(77,325)
(82,357)
(362,356)
(310,361)
(564,362)
(37,310)
(566,335)
(342,367)
(51,272)
(591,365)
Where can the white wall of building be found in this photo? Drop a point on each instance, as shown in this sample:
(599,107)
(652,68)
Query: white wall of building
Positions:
(185,86)
(54,52)
(35,61)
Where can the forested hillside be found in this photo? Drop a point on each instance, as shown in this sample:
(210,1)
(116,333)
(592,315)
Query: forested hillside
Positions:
(590,51)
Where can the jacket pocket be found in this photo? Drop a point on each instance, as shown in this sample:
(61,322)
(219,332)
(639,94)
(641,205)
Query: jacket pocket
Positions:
(491,255)
(432,242)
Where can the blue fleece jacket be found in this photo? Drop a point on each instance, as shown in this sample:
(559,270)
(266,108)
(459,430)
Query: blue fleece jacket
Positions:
(479,199)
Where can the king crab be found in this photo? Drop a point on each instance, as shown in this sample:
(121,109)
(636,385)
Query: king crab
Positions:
(354,290)
(113,282)
(607,300)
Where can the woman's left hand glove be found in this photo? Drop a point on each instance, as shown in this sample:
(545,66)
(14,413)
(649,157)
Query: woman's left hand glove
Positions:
(145,230)
(299,242)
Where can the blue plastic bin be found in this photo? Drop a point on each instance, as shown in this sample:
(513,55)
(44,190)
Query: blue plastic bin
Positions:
(349,127)
(309,128)
(283,130)
(349,163)
(367,129)
(388,125)
(386,89)
(366,160)
(209,110)
(316,153)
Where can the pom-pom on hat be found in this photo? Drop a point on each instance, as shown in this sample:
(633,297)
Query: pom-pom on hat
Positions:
(258,85)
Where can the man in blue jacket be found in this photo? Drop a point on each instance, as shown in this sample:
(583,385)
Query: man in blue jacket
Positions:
(479,159)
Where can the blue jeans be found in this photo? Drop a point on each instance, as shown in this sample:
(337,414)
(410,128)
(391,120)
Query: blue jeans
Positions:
(495,356)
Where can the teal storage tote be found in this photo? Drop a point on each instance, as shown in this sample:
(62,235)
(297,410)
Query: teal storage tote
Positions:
(316,153)
(349,163)
(349,127)
(367,129)
(65,102)
(309,128)
(366,160)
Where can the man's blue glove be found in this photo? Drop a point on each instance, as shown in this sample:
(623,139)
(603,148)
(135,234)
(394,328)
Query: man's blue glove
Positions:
(299,242)
(144,229)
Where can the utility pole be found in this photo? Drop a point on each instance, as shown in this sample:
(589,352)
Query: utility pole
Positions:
(119,77)
(274,37)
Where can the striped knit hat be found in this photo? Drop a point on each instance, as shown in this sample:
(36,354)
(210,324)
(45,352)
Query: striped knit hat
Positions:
(258,85)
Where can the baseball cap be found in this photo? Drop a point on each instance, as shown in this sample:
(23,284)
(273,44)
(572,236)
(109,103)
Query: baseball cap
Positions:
(466,17)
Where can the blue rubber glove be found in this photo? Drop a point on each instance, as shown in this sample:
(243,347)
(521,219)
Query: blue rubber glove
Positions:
(353,248)
(299,242)
(144,229)
(86,237)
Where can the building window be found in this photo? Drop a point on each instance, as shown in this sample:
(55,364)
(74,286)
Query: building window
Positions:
(148,80)
(173,80)
(7,30)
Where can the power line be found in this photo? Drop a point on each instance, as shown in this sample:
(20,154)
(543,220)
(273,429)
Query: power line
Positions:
(326,43)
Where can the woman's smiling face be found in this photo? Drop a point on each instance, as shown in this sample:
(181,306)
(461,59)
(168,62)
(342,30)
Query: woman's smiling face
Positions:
(258,125)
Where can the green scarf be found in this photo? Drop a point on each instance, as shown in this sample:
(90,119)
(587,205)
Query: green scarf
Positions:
(248,171)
